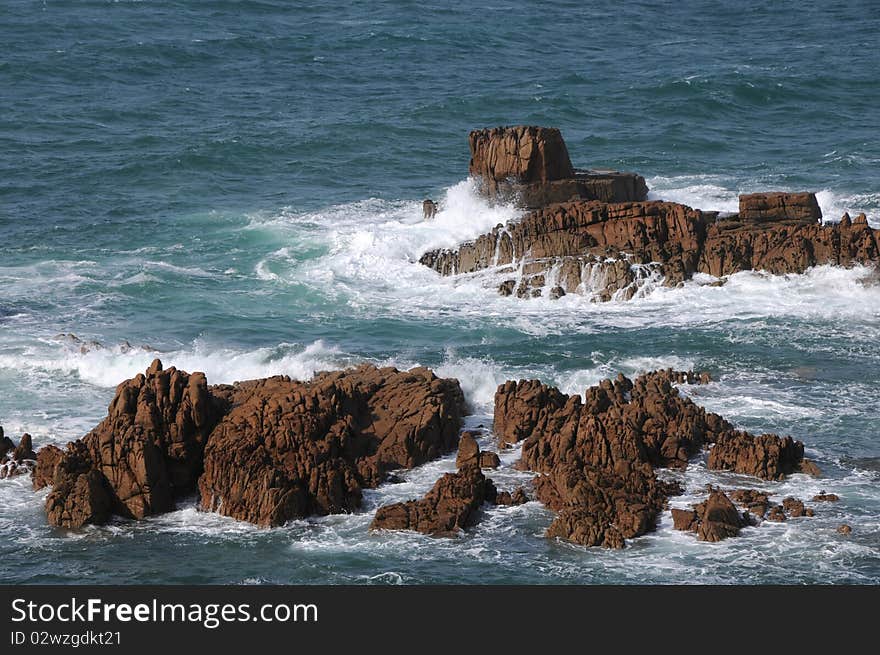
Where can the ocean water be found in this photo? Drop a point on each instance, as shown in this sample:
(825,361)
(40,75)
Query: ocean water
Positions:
(236,188)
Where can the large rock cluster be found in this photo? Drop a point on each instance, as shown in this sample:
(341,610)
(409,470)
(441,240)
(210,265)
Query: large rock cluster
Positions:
(264,451)
(597,456)
(607,246)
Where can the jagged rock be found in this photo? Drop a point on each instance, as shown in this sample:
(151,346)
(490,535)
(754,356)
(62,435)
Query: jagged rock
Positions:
(844,529)
(291,449)
(602,507)
(776,206)
(642,421)
(16,460)
(517,497)
(766,456)
(556,293)
(451,506)
(489,460)
(714,519)
(79,500)
(823,497)
(753,500)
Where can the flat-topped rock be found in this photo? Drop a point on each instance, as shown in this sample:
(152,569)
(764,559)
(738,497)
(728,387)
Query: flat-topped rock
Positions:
(531,165)
(779,206)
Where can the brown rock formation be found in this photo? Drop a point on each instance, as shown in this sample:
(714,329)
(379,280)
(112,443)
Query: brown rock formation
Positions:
(517,497)
(452,505)
(774,206)
(645,420)
(16,460)
(290,449)
(827,498)
(48,460)
(531,165)
(606,244)
(844,529)
(714,519)
(279,449)
(602,507)
(767,456)
(753,500)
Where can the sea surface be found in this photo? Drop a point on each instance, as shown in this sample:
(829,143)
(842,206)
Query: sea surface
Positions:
(236,187)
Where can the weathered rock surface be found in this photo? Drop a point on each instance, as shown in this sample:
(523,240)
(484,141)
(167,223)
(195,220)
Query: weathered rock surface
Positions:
(766,456)
(610,244)
(775,206)
(290,449)
(826,498)
(452,505)
(602,507)
(531,165)
(645,420)
(714,519)
(264,451)
(598,455)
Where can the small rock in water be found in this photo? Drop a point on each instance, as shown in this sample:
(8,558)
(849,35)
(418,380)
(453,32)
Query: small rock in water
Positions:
(843,528)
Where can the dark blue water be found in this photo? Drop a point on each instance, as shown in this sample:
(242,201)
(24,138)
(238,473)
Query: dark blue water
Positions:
(236,188)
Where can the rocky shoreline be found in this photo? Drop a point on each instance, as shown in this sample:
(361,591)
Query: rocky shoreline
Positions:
(273,450)
(596,234)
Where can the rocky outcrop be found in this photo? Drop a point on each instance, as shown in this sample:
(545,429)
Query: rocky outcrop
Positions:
(263,451)
(756,502)
(598,455)
(469,454)
(714,519)
(291,449)
(823,497)
(452,505)
(16,460)
(611,245)
(766,456)
(531,166)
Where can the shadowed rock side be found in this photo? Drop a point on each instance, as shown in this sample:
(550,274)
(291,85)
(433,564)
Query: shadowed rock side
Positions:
(597,456)
(290,449)
(596,235)
(270,449)
(531,166)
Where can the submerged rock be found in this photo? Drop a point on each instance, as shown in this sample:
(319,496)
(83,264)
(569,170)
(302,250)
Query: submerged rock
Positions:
(16,460)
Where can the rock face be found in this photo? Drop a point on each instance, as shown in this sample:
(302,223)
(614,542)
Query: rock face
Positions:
(767,456)
(714,519)
(452,505)
(611,244)
(291,449)
(531,165)
(775,206)
(264,451)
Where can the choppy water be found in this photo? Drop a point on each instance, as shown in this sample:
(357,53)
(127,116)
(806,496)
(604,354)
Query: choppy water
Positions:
(237,187)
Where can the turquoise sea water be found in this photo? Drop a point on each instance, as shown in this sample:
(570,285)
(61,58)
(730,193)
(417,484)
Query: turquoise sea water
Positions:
(236,188)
